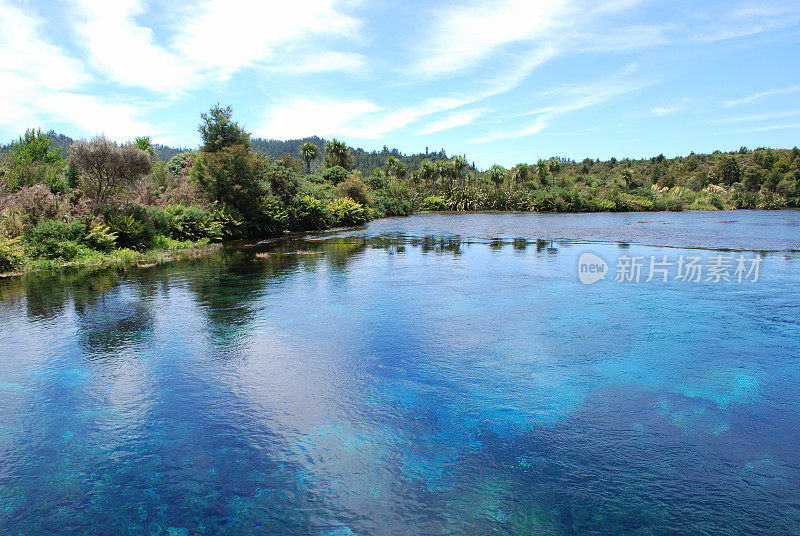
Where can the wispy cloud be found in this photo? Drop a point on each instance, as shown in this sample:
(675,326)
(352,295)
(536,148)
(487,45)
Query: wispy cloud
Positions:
(40,84)
(758,117)
(771,127)
(302,117)
(362,119)
(457,119)
(664,110)
(762,95)
(127,53)
(568,99)
(247,33)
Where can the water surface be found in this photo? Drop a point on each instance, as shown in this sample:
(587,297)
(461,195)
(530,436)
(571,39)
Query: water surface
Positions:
(431,375)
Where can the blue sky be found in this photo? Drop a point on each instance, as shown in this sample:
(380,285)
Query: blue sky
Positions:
(501,81)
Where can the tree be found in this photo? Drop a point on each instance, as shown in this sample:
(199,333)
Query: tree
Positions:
(219,130)
(309,152)
(427,170)
(34,147)
(338,154)
(521,173)
(230,176)
(626,176)
(106,167)
(31,159)
(728,170)
(541,172)
(459,165)
(497,174)
(401,170)
(145,144)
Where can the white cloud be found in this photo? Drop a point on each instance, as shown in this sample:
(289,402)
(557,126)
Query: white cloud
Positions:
(126,52)
(324,62)
(567,99)
(303,117)
(227,35)
(457,119)
(664,110)
(762,95)
(24,53)
(361,119)
(40,84)
(465,35)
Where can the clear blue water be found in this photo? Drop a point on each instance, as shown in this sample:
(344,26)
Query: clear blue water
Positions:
(435,375)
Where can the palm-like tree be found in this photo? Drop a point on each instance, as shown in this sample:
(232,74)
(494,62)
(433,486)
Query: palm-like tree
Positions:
(309,152)
(337,154)
(541,172)
(521,174)
(458,165)
(427,170)
(400,170)
(497,174)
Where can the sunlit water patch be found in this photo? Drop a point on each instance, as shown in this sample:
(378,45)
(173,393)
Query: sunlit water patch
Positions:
(433,375)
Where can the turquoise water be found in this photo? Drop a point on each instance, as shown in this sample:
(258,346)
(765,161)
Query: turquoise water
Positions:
(430,375)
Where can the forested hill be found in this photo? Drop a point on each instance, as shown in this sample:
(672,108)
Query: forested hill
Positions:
(63,143)
(365,161)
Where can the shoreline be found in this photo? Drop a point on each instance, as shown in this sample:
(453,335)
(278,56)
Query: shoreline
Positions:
(145,259)
(126,259)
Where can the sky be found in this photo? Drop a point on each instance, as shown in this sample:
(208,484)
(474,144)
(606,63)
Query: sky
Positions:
(500,81)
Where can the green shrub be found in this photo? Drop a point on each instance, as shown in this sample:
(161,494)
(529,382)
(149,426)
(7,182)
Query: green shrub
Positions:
(101,238)
(193,223)
(231,223)
(12,254)
(54,239)
(270,218)
(355,189)
(347,212)
(394,199)
(311,214)
(132,225)
(335,174)
(434,203)
(180,163)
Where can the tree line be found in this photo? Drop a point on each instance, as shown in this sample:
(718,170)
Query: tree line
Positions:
(65,201)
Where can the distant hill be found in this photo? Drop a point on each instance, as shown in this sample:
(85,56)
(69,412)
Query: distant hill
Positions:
(365,161)
(63,142)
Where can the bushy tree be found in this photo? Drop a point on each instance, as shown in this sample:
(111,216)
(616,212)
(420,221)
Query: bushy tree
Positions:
(146,144)
(34,147)
(106,168)
(31,159)
(230,176)
(218,130)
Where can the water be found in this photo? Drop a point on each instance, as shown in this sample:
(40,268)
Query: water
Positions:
(429,375)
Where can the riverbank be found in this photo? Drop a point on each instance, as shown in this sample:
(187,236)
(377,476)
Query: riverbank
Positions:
(169,250)
(120,258)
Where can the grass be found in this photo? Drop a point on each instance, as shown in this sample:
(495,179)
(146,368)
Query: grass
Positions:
(164,250)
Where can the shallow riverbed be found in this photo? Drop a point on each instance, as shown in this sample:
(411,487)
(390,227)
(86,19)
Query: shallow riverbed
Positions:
(438,374)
